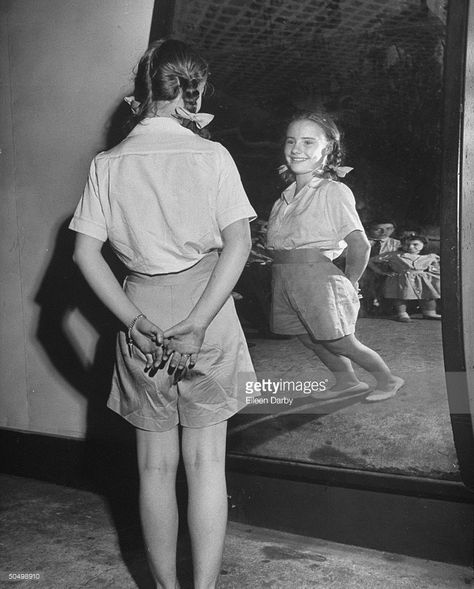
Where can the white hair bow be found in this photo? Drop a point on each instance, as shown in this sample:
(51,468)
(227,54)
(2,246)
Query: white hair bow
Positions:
(341,171)
(201,119)
(134,104)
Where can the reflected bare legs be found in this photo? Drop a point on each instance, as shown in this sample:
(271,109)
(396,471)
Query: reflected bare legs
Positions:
(340,366)
(338,356)
(204,460)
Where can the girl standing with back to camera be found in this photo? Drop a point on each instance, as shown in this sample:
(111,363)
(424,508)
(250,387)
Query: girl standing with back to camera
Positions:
(308,227)
(167,200)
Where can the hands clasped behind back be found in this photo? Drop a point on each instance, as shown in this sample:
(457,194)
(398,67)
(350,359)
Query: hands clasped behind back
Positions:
(183,341)
(148,338)
(179,345)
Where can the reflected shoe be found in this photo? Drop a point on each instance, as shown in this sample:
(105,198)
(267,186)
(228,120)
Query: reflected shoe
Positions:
(378,395)
(356,389)
(404,319)
(432,317)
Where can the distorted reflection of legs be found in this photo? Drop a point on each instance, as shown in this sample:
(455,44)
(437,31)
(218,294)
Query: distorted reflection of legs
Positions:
(340,366)
(368,359)
(338,356)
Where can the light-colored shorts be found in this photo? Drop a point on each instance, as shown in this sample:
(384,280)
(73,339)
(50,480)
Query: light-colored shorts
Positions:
(209,393)
(313,297)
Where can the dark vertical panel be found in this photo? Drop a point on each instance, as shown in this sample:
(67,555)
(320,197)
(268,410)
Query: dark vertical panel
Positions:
(162,19)
(453,345)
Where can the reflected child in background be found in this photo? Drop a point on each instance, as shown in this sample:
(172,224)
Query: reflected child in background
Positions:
(380,237)
(309,226)
(410,275)
(371,284)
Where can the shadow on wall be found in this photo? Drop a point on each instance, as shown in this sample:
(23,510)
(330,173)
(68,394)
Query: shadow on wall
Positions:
(108,454)
(63,292)
(118,126)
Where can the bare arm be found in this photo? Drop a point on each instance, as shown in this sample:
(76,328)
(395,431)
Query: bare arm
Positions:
(88,256)
(357,255)
(187,336)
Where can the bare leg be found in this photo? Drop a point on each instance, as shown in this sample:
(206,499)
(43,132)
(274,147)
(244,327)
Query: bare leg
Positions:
(428,308)
(204,459)
(401,309)
(350,347)
(340,366)
(158,455)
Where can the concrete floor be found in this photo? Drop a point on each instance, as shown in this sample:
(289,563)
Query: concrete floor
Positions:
(408,434)
(76,539)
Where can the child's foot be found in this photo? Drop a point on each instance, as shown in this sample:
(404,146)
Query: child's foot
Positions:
(404,318)
(381,394)
(342,390)
(432,316)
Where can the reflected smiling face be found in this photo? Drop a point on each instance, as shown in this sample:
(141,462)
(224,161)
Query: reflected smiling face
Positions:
(306,147)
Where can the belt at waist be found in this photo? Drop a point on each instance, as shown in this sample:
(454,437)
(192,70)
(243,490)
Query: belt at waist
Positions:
(298,256)
(198,271)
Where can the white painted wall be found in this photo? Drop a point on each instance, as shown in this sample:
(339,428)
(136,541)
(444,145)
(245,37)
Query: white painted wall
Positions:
(64,67)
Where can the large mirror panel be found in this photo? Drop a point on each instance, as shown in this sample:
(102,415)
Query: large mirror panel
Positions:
(376,66)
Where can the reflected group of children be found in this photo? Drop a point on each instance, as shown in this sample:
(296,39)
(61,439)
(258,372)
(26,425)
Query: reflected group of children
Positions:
(401,274)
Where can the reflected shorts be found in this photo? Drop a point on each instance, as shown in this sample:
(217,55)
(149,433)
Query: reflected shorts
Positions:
(313,297)
(209,393)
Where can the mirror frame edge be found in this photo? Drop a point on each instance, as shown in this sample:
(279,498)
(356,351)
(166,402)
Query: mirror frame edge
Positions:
(451,238)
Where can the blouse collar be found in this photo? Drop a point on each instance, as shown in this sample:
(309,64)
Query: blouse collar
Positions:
(289,194)
(160,124)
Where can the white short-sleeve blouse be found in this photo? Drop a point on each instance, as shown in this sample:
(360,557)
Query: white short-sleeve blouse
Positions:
(162,197)
(320,216)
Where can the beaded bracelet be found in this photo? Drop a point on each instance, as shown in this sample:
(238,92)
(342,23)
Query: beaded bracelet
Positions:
(130,343)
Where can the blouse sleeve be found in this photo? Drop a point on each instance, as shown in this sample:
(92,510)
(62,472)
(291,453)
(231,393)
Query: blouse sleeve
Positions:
(232,201)
(434,265)
(89,217)
(342,210)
